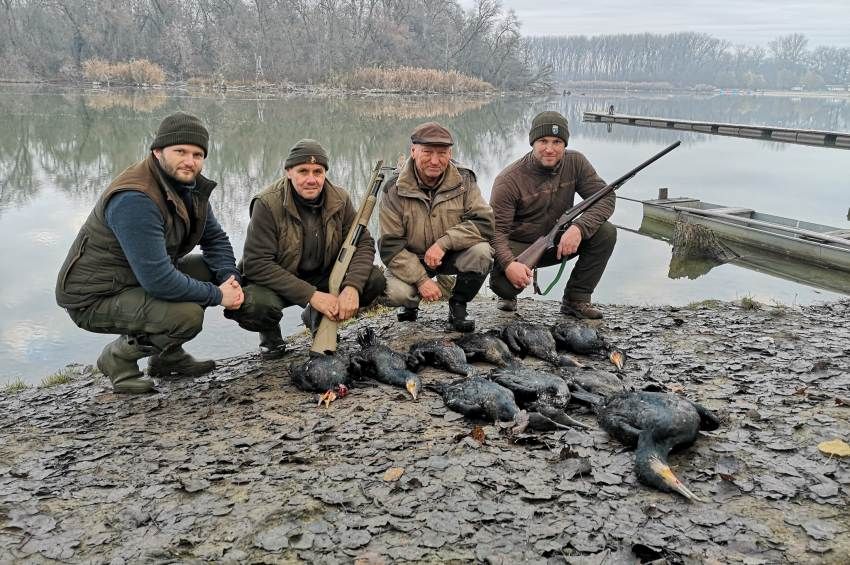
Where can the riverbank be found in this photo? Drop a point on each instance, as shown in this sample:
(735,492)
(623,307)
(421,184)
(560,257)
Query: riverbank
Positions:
(239,466)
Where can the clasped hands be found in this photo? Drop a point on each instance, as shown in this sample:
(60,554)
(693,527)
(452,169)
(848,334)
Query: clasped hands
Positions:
(336,308)
(232,296)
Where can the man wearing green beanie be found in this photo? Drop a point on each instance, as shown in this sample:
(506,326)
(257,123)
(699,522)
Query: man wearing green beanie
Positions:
(529,196)
(297,227)
(129,272)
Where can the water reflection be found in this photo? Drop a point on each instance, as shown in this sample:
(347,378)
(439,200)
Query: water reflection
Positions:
(60,149)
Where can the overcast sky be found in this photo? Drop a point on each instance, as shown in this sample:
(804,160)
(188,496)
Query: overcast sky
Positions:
(750,22)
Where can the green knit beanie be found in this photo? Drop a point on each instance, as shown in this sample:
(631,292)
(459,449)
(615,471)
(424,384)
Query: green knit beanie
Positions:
(548,123)
(179,129)
(307,151)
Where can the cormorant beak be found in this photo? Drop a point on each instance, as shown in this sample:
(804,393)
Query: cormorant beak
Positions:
(671,480)
(413,388)
(618,358)
(327,397)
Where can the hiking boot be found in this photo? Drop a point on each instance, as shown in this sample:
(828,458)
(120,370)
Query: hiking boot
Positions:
(173,360)
(272,345)
(119,361)
(581,310)
(311,319)
(405,314)
(507,305)
(458,317)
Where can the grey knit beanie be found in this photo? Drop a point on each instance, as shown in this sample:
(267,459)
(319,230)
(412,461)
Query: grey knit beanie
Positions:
(181,128)
(548,123)
(307,151)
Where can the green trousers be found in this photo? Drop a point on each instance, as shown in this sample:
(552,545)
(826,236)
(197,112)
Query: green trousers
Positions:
(134,312)
(593,254)
(262,309)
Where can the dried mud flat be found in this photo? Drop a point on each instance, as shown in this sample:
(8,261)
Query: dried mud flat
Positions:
(240,467)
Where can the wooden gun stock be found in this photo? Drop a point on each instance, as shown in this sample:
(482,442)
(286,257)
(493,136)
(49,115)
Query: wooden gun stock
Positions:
(532,255)
(326,335)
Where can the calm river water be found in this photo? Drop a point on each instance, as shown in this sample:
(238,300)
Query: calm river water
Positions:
(60,148)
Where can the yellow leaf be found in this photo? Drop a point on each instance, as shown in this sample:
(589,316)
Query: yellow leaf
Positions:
(393,474)
(835,447)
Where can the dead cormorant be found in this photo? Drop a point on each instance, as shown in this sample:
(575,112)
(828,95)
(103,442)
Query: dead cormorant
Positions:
(486,347)
(325,374)
(533,339)
(538,391)
(441,353)
(655,423)
(376,360)
(580,338)
(479,397)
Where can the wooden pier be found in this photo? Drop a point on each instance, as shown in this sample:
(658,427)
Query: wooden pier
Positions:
(838,140)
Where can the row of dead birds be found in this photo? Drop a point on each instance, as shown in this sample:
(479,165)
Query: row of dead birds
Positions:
(523,398)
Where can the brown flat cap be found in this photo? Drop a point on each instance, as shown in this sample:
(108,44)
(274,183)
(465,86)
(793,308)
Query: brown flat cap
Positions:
(431,133)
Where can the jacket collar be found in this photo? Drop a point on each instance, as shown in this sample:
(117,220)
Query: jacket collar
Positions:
(408,183)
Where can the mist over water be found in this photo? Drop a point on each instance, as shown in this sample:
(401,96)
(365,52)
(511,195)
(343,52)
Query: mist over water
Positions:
(60,148)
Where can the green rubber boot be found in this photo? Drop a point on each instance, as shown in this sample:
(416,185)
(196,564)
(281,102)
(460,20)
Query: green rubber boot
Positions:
(119,361)
(173,360)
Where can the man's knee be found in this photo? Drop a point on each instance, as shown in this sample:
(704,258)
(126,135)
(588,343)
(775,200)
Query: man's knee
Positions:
(605,236)
(186,319)
(500,285)
(476,259)
(261,310)
(399,293)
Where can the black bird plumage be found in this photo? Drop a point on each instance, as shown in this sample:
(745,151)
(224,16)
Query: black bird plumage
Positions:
(376,360)
(441,353)
(538,391)
(655,423)
(479,397)
(486,346)
(321,373)
(577,337)
(536,340)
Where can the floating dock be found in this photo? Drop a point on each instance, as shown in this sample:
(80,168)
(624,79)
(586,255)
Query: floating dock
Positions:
(838,140)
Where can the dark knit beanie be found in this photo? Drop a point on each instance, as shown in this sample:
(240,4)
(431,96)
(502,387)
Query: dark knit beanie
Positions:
(307,151)
(548,123)
(179,129)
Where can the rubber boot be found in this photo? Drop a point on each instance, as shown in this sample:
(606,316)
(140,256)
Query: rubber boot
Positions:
(405,314)
(466,287)
(119,361)
(272,345)
(173,360)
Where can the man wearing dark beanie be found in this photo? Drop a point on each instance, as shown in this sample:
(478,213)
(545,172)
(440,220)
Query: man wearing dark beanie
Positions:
(129,271)
(296,230)
(529,196)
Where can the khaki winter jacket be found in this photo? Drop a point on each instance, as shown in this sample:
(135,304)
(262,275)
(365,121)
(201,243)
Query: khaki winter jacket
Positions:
(528,199)
(456,219)
(274,241)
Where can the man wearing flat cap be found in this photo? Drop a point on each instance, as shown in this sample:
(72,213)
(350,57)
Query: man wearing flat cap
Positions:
(297,227)
(529,196)
(434,220)
(129,271)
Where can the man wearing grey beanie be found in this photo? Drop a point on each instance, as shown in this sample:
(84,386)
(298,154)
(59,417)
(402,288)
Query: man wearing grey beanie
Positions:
(129,272)
(529,196)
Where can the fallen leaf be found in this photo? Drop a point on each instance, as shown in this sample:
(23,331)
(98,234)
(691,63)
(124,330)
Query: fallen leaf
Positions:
(835,447)
(393,474)
(478,434)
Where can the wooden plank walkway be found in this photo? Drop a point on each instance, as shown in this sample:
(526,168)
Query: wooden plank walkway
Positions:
(838,140)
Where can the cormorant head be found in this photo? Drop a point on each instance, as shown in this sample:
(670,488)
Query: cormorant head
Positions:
(413,386)
(618,358)
(654,472)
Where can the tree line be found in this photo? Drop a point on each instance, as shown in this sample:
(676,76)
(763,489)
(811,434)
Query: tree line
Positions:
(297,41)
(690,59)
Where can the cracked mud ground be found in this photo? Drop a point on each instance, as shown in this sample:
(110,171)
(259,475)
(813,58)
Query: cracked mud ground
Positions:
(239,466)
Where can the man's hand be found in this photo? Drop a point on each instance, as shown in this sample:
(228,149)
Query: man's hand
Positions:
(231,294)
(569,242)
(434,256)
(349,302)
(518,274)
(429,290)
(327,304)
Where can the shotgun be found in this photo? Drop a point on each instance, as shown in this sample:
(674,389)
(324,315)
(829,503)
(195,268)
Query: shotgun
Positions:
(326,335)
(535,251)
